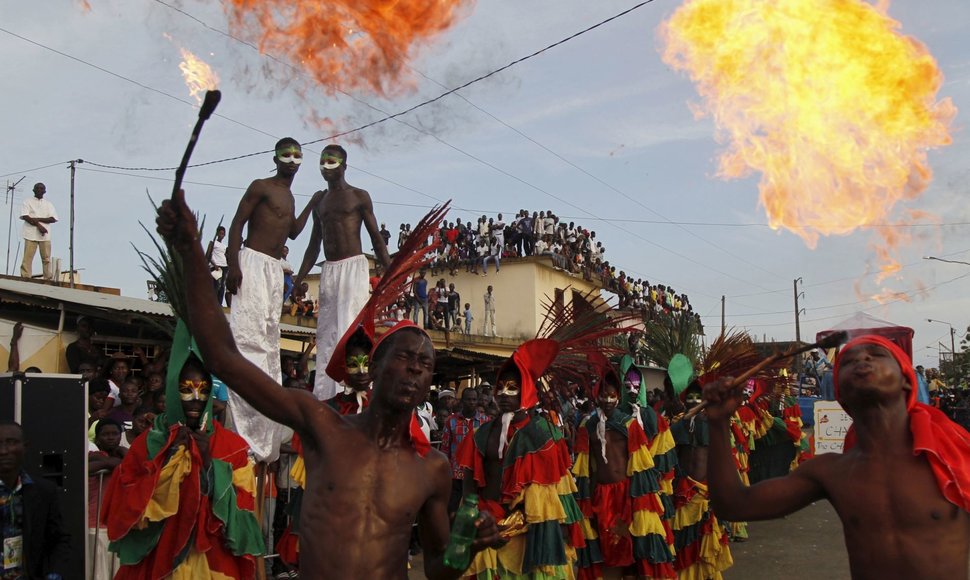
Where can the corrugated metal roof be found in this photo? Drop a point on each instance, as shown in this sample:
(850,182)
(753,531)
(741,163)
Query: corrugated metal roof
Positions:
(11,289)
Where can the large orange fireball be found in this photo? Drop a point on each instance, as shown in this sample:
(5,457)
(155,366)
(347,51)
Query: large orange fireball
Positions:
(825,99)
(347,45)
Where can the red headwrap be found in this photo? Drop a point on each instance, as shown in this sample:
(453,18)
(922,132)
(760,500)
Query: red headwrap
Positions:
(946,444)
(418,439)
(532,358)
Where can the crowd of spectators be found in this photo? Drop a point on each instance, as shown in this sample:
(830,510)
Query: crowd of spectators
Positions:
(572,248)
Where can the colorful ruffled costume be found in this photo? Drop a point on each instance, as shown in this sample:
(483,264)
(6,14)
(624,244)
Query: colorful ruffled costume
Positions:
(166,515)
(635,503)
(535,480)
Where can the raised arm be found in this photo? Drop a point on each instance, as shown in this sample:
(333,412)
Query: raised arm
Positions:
(434,529)
(376,239)
(300,222)
(244,211)
(209,326)
(772,498)
(13,361)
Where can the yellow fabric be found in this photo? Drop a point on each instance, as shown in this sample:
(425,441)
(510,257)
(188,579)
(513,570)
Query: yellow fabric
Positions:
(196,566)
(542,503)
(298,472)
(690,514)
(699,571)
(566,485)
(165,499)
(589,532)
(512,555)
(646,523)
(667,486)
(581,465)
(483,561)
(244,478)
(640,460)
(662,443)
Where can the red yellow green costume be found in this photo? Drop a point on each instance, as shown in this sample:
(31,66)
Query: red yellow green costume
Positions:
(700,540)
(634,503)
(170,517)
(535,480)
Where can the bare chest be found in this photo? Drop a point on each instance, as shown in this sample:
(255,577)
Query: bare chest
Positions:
(898,495)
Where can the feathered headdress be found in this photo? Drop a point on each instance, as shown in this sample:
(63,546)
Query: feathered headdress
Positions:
(414,255)
(729,355)
(586,327)
(531,359)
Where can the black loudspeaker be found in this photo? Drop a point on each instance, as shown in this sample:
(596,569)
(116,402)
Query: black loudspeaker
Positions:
(53,411)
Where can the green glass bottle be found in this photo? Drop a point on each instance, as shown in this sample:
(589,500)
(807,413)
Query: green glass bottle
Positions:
(458,555)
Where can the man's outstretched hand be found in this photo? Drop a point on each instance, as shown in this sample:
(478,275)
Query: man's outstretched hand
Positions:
(176,223)
(722,400)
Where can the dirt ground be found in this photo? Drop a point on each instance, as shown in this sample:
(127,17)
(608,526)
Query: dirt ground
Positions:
(805,546)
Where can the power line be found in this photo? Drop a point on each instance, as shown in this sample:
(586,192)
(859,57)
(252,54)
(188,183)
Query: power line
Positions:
(34,169)
(366,125)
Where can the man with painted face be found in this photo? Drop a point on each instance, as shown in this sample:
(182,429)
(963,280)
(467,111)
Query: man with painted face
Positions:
(338,214)
(518,465)
(255,278)
(620,491)
(181,502)
(353,375)
(901,486)
(369,476)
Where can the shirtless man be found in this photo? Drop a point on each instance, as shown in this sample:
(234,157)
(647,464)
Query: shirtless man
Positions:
(886,485)
(255,277)
(367,480)
(620,492)
(337,217)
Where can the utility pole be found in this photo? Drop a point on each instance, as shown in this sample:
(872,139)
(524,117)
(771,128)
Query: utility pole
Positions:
(11,189)
(71,244)
(723,324)
(798,329)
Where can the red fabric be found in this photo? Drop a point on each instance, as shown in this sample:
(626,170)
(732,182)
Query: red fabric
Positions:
(613,509)
(532,358)
(418,440)
(946,444)
(288,547)
(470,458)
(544,467)
(493,507)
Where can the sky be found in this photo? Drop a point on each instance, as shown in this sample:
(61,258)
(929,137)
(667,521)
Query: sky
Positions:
(597,129)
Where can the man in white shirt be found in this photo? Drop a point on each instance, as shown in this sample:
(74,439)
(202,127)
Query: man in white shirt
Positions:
(37,214)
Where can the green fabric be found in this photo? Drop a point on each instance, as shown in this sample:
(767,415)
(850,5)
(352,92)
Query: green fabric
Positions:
(680,371)
(535,435)
(544,546)
(241,529)
(137,544)
(569,505)
(652,548)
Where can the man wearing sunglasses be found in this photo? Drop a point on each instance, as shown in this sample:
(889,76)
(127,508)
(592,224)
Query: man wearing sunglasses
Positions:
(255,277)
(338,213)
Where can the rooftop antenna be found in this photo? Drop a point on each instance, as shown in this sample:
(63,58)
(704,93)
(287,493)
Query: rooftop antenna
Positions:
(8,198)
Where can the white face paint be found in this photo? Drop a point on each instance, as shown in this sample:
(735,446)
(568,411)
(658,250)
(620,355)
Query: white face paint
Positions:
(290,158)
(329,165)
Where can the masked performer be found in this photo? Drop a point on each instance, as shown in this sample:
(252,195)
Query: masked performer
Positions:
(620,489)
(518,464)
(181,503)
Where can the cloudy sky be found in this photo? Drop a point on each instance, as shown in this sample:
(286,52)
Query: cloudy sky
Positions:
(598,130)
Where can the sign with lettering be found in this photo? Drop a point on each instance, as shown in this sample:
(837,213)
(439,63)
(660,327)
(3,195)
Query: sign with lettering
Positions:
(831,425)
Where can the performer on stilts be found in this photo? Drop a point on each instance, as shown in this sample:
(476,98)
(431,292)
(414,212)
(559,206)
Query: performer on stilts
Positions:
(255,278)
(338,214)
